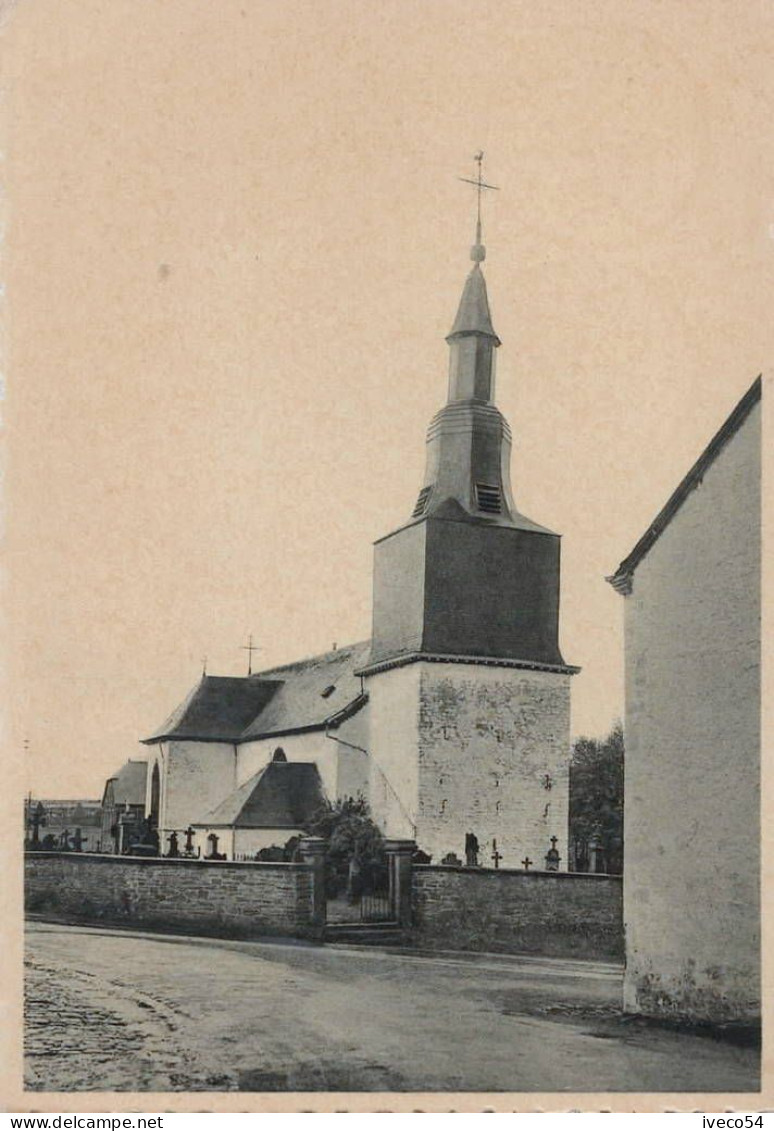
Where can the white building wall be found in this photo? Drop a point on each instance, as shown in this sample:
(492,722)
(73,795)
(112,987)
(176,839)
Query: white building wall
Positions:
(691,872)
(311,746)
(353,768)
(155,757)
(393,739)
(196,776)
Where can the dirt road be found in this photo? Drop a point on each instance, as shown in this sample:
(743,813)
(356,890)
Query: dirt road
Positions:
(120,1011)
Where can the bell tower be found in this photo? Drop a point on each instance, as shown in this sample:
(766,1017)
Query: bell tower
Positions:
(469,693)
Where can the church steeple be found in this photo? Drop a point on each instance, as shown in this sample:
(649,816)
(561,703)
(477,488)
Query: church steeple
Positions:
(468,575)
(468,470)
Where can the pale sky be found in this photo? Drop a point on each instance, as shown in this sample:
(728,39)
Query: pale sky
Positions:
(235,242)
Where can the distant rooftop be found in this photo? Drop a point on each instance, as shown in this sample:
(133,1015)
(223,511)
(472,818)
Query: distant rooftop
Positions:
(129,782)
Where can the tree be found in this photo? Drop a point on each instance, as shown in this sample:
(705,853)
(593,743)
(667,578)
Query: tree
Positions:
(355,857)
(597,801)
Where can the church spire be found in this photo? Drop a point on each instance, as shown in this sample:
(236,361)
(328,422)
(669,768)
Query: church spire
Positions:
(473,315)
(468,474)
(472,339)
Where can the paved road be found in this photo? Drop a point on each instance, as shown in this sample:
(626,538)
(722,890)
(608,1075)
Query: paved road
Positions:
(120,1011)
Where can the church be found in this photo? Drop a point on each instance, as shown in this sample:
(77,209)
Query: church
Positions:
(453,719)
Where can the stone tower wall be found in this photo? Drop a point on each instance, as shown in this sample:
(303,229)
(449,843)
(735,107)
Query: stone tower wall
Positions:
(472,748)
(493,758)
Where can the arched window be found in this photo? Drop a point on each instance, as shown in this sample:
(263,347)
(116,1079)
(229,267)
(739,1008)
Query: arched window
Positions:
(153,816)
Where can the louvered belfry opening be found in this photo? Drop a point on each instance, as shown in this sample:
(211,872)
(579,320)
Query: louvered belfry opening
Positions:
(489,498)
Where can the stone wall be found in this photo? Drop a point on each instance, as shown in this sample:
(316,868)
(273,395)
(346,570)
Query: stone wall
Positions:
(219,898)
(571,915)
(692,872)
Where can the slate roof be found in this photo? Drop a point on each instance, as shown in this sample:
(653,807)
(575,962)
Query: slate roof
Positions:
(217,710)
(277,701)
(621,580)
(283,795)
(473,314)
(299,703)
(129,783)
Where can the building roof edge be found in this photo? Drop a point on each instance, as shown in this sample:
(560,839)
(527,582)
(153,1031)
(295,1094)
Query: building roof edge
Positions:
(621,579)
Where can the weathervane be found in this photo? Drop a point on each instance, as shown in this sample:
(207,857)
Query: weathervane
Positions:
(478,251)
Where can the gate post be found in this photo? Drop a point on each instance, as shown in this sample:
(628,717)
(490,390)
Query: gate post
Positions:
(311,850)
(399,853)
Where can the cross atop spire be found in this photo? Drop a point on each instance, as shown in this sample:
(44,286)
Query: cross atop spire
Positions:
(478,251)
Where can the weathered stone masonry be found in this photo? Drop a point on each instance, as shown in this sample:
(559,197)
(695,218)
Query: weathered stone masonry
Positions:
(493,760)
(453,908)
(221,897)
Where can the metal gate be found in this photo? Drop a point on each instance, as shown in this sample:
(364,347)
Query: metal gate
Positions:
(359,892)
(376,907)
